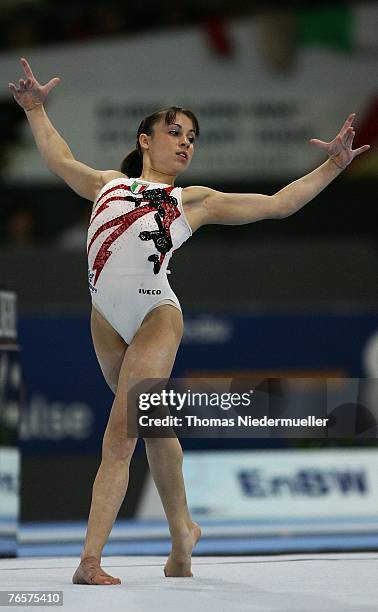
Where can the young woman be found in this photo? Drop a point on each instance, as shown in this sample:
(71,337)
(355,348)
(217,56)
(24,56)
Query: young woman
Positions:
(139,217)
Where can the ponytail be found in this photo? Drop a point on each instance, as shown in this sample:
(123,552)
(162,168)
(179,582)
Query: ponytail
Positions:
(132,165)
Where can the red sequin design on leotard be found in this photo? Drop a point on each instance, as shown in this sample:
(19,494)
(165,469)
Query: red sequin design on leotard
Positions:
(171,213)
(123,222)
(113,199)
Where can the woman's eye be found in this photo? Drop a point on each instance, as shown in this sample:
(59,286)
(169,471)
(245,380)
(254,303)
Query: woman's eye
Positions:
(175,132)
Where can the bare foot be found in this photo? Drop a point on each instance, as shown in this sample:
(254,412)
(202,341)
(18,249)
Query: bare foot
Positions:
(90,572)
(179,561)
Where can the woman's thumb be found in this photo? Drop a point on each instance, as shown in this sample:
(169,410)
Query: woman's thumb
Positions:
(317,142)
(52,83)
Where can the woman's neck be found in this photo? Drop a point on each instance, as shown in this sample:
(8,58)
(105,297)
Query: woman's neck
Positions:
(155,176)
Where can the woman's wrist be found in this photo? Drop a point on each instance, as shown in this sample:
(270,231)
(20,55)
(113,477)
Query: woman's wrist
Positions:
(335,162)
(29,110)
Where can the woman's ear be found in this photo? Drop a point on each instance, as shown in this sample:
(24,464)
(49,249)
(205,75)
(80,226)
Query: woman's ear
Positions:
(144,141)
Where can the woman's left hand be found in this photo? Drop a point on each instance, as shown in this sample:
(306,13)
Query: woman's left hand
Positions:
(340,148)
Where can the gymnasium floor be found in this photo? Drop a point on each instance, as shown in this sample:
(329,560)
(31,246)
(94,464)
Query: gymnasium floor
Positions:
(332,582)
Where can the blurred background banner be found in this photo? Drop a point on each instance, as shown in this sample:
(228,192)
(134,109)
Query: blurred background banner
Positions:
(68,402)
(284,484)
(267,118)
(10,408)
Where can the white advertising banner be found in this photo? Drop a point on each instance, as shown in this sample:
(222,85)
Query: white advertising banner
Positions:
(255,123)
(274,484)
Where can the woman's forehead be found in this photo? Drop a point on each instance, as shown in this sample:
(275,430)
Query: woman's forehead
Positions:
(180,120)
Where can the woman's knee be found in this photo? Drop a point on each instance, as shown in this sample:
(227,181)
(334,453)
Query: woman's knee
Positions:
(164,447)
(111,378)
(117,446)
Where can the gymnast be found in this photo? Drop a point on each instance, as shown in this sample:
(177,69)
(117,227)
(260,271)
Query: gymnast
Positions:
(139,218)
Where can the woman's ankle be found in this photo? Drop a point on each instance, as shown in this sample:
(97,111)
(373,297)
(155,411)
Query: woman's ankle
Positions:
(90,555)
(181,528)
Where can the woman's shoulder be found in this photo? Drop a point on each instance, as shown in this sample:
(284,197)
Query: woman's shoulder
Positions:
(193,204)
(195,194)
(108,176)
(111,175)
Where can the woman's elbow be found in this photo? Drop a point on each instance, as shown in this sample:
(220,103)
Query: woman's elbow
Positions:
(278,209)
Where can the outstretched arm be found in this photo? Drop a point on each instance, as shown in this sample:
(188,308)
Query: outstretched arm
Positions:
(340,155)
(210,206)
(31,95)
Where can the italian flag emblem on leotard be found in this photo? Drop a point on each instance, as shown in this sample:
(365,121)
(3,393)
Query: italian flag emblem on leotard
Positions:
(137,187)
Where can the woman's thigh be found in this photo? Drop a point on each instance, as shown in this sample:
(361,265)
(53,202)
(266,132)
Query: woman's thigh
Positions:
(110,348)
(151,354)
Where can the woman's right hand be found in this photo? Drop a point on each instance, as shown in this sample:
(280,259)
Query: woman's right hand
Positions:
(30,94)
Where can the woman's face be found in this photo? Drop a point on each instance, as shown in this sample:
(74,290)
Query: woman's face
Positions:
(170,148)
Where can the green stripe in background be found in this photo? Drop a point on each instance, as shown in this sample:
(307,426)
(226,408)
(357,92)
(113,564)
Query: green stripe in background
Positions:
(329,26)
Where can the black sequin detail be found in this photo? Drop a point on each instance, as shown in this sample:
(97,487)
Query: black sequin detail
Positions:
(155,259)
(154,197)
(160,237)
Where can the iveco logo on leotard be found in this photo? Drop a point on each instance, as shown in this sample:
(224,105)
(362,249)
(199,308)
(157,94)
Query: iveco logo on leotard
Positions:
(150,291)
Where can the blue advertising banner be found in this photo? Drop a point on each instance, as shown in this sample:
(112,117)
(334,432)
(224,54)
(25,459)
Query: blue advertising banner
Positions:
(68,401)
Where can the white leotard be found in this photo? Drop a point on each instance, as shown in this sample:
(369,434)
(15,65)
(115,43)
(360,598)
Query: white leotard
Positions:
(135,226)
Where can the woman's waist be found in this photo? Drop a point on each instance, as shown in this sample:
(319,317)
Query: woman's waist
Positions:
(133,271)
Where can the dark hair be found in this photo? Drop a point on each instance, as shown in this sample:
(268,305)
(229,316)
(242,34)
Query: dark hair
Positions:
(132,165)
